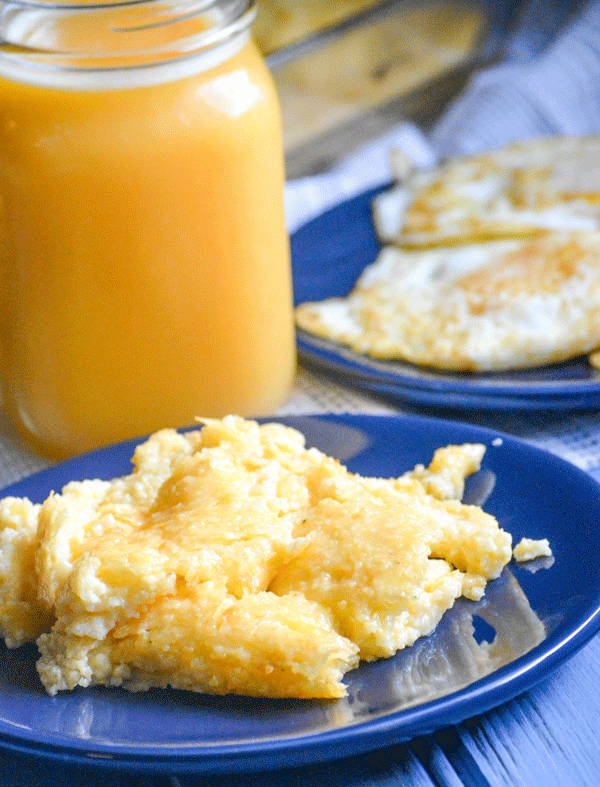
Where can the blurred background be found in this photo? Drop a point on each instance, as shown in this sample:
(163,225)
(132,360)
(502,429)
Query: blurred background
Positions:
(349,70)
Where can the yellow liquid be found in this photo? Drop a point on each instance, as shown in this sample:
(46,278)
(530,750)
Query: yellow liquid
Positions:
(146,263)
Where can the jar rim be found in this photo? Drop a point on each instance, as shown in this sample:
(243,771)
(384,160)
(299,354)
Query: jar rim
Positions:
(120,35)
(199,5)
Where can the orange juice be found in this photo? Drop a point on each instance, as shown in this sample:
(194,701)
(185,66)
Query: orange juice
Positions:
(145,263)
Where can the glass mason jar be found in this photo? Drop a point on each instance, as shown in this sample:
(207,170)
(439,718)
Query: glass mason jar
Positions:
(145,271)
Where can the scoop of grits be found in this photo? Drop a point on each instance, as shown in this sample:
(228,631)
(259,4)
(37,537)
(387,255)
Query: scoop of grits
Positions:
(233,559)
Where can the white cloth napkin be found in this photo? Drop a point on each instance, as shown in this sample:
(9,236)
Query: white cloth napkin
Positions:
(549,83)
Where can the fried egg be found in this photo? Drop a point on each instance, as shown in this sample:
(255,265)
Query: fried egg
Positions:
(491,306)
(524,190)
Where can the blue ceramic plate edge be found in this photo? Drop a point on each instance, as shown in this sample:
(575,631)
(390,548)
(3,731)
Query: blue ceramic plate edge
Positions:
(476,698)
(584,394)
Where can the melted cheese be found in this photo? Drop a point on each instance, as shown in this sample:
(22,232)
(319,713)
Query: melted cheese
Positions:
(235,559)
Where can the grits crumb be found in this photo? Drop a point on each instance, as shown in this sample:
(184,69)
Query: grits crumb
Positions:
(529,549)
(233,559)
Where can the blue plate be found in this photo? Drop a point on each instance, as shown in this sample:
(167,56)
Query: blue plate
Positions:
(328,255)
(540,613)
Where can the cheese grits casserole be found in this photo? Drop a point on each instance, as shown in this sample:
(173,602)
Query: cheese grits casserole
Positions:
(233,559)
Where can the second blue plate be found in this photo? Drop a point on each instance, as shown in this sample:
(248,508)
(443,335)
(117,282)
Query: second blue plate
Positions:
(328,255)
